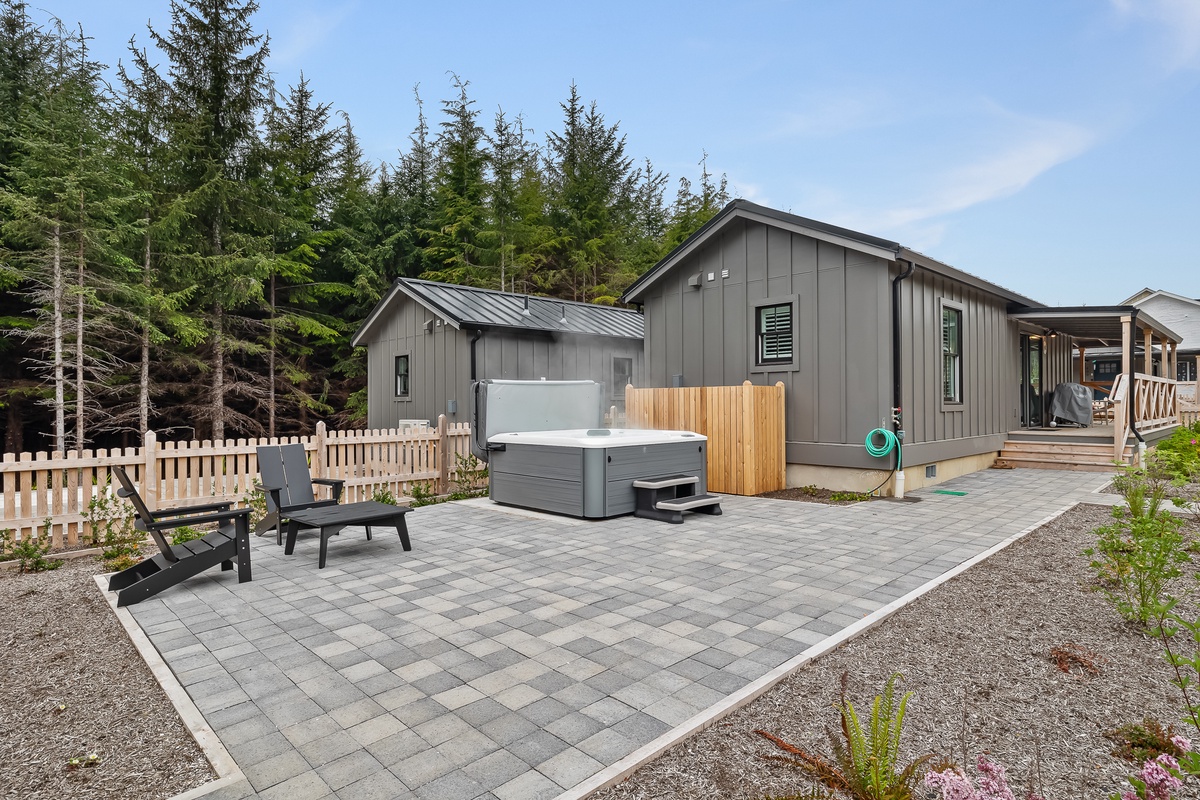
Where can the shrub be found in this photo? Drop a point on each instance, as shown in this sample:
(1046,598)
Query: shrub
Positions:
(1180,453)
(953,784)
(865,762)
(186,534)
(382,494)
(30,552)
(1146,741)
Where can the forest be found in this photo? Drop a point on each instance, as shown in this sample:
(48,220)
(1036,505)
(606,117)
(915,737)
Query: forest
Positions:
(189,247)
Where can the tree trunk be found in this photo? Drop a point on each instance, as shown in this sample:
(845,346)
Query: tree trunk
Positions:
(218,384)
(271,366)
(80,430)
(14,431)
(144,374)
(60,422)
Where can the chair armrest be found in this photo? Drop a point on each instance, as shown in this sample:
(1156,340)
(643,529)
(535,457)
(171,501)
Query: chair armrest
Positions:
(262,488)
(219,516)
(175,512)
(335,485)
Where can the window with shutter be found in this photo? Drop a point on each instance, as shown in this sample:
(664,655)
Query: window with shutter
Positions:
(951,355)
(775,334)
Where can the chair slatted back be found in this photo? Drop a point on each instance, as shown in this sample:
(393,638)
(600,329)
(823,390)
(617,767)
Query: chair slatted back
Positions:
(144,519)
(286,466)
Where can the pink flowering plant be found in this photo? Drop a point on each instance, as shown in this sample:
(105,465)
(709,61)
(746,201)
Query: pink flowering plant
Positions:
(953,784)
(1158,777)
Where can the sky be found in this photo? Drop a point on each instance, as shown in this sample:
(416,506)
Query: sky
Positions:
(1049,147)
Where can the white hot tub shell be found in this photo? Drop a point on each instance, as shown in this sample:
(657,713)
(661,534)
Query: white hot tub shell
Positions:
(583,472)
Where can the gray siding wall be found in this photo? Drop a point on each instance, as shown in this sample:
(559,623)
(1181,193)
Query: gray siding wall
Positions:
(440,364)
(839,387)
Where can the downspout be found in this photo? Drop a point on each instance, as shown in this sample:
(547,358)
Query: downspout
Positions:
(1131,395)
(897,383)
(479,448)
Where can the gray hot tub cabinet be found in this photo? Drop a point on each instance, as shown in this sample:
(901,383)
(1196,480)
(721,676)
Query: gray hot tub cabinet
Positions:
(592,482)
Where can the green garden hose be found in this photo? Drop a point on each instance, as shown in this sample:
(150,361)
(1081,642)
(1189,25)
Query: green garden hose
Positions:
(890,443)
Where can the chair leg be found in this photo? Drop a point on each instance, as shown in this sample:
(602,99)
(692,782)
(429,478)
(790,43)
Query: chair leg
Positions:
(402,530)
(293,529)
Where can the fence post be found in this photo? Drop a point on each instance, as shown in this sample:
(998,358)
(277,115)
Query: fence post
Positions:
(443,456)
(318,462)
(150,473)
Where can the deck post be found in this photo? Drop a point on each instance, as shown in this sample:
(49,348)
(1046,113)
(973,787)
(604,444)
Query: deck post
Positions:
(1126,344)
(1148,361)
(150,471)
(1082,355)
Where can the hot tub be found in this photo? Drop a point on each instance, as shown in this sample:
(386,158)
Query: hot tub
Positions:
(579,471)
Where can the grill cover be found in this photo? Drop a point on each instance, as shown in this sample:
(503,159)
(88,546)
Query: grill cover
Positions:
(1072,402)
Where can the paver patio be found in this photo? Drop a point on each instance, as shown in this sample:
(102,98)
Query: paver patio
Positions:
(513,655)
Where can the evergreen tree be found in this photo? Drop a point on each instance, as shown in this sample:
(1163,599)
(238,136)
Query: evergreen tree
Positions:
(691,210)
(591,189)
(456,251)
(218,90)
(517,228)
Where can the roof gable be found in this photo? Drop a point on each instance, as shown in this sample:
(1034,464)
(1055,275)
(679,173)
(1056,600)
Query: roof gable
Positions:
(471,307)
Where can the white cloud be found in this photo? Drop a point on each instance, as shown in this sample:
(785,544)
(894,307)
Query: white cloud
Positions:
(996,174)
(1180,23)
(307,28)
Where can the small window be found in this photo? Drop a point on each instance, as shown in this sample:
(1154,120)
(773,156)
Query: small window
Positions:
(951,355)
(774,334)
(401,376)
(622,375)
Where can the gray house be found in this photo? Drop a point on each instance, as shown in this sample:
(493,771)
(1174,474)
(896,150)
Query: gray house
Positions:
(854,326)
(427,341)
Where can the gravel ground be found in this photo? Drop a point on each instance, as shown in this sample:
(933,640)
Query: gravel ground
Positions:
(976,654)
(74,685)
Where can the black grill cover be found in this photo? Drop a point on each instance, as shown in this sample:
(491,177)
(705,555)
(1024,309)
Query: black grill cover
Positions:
(1072,402)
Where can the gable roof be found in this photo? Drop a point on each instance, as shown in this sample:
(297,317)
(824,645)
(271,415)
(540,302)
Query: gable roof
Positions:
(853,240)
(470,307)
(1148,293)
(1181,313)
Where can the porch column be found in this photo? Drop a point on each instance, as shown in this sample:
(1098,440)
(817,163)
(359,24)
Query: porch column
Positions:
(1082,355)
(1148,361)
(1126,345)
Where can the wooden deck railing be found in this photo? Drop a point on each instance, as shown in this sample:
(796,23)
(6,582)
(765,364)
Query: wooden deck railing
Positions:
(72,490)
(744,425)
(1155,406)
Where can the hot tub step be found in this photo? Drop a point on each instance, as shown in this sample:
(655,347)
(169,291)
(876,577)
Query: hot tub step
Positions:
(665,482)
(689,503)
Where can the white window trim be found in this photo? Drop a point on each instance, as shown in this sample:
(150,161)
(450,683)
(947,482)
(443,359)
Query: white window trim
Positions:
(753,306)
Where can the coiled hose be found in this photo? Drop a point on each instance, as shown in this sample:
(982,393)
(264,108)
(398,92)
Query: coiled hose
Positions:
(890,442)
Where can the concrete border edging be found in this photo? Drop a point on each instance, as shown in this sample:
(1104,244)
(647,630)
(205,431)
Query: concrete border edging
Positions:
(618,772)
(228,772)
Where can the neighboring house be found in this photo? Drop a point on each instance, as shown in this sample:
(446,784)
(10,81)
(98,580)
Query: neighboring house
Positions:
(762,295)
(427,341)
(1182,314)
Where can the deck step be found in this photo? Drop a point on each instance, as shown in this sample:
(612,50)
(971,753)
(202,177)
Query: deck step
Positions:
(687,503)
(665,482)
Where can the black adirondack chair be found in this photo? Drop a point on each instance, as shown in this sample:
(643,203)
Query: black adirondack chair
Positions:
(175,563)
(289,486)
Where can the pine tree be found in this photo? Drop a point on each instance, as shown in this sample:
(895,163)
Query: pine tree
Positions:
(516,202)
(218,89)
(404,205)
(692,210)
(456,251)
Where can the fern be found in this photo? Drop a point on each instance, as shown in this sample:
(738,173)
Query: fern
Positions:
(866,762)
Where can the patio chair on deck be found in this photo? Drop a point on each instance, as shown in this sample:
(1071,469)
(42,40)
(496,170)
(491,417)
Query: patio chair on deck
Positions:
(175,563)
(289,486)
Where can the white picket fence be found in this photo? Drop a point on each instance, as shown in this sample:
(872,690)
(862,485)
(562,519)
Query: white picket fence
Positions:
(61,493)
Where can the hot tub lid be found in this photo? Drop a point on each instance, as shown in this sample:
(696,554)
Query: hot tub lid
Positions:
(595,437)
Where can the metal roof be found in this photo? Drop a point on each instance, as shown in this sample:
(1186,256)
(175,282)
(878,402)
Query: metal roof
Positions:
(1092,324)
(470,307)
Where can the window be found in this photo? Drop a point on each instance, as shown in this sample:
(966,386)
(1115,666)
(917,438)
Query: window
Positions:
(951,355)
(622,375)
(774,334)
(402,376)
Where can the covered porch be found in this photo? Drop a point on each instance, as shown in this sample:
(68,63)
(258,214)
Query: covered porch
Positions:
(1135,404)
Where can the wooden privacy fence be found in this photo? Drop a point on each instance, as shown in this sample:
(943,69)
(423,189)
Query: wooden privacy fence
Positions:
(744,425)
(72,489)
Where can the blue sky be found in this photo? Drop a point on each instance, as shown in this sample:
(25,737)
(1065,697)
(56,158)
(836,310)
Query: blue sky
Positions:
(1050,147)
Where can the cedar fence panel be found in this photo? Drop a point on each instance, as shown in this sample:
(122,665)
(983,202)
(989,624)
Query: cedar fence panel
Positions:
(744,425)
(61,488)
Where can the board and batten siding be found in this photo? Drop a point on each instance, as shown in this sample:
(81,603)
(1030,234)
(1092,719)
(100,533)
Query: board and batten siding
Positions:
(840,386)
(440,364)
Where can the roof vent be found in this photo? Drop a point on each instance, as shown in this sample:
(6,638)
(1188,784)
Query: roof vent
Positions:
(525,310)
(563,310)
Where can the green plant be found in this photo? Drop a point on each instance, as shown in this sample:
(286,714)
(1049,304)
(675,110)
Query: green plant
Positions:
(1145,741)
(1179,454)
(30,552)
(422,494)
(6,544)
(866,761)
(850,497)
(186,534)
(256,501)
(383,494)
(1142,550)
(110,517)
(470,477)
